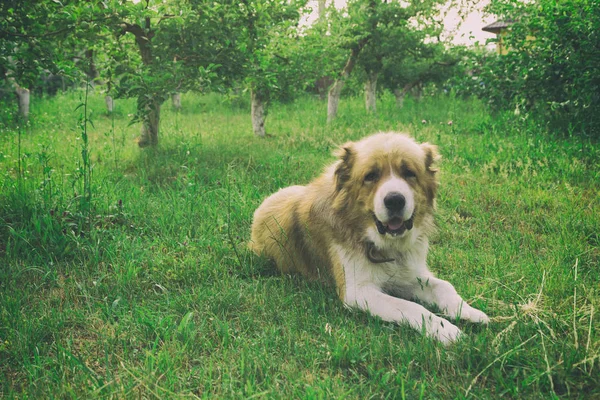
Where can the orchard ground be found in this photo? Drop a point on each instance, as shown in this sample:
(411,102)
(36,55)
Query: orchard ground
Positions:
(125,273)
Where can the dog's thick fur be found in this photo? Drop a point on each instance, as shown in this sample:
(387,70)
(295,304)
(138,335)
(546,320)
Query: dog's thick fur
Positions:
(364,225)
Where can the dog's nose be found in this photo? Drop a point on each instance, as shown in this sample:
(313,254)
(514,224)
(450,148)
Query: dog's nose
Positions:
(394,201)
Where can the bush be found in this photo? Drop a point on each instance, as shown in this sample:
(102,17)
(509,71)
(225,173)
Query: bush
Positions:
(552,69)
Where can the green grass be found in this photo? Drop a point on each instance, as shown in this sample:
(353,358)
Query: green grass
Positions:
(138,292)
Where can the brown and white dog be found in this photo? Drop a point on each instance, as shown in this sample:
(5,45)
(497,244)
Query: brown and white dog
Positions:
(364,225)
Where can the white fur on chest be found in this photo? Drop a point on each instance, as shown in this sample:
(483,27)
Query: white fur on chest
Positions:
(367,285)
(360,274)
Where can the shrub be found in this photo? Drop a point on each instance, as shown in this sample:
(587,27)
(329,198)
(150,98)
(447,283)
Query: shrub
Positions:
(552,69)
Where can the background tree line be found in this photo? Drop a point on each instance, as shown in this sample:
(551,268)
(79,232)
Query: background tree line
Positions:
(153,51)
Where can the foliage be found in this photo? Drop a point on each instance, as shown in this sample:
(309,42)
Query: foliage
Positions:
(399,32)
(29,34)
(151,49)
(156,49)
(254,44)
(428,63)
(268,43)
(198,44)
(553,67)
(388,39)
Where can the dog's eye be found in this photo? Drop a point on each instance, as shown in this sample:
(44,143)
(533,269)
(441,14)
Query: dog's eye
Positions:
(371,176)
(409,173)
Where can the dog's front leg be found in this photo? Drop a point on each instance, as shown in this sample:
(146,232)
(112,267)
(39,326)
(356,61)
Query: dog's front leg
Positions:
(359,286)
(442,294)
(370,298)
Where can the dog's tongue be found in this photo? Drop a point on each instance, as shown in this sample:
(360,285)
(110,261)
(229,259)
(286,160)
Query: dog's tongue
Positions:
(395,224)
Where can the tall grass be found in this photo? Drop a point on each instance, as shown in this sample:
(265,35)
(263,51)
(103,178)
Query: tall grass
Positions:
(158,297)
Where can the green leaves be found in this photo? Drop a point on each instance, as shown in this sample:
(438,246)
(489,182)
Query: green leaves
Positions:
(552,69)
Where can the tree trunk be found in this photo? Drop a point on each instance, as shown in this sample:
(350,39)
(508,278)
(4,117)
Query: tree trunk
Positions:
(335,91)
(176,100)
(109,103)
(258,111)
(321,10)
(150,109)
(399,94)
(23,96)
(150,123)
(371,92)
(333,100)
(92,71)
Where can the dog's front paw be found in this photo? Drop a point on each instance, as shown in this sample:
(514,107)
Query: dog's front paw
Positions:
(478,316)
(471,314)
(442,330)
(467,313)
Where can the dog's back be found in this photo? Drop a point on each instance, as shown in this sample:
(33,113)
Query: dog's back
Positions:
(273,227)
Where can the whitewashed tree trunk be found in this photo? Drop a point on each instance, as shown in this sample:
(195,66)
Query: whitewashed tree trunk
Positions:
(371,92)
(149,108)
(23,96)
(92,70)
(399,94)
(321,9)
(150,124)
(258,111)
(110,103)
(22,93)
(333,99)
(176,100)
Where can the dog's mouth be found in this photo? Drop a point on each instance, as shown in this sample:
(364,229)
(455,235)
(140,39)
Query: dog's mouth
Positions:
(395,226)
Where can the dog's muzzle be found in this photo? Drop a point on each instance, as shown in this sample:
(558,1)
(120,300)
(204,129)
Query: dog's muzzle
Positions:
(395,226)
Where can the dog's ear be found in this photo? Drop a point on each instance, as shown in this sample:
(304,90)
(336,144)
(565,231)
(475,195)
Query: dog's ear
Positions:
(346,154)
(431,183)
(431,157)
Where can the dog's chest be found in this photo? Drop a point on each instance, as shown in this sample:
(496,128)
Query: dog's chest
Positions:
(361,272)
(394,272)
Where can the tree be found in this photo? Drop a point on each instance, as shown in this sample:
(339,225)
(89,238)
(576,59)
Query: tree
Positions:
(421,65)
(271,62)
(176,52)
(357,30)
(151,49)
(370,31)
(30,34)
(394,40)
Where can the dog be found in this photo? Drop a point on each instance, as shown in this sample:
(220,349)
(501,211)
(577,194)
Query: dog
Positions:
(363,225)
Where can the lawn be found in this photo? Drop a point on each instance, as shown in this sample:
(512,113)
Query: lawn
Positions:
(124,271)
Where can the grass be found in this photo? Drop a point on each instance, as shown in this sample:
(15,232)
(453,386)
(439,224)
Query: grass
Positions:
(138,291)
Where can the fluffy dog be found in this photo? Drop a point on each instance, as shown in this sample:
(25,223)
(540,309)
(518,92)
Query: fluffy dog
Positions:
(364,225)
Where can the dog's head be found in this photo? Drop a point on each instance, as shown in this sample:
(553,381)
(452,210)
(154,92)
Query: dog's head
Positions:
(386,184)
